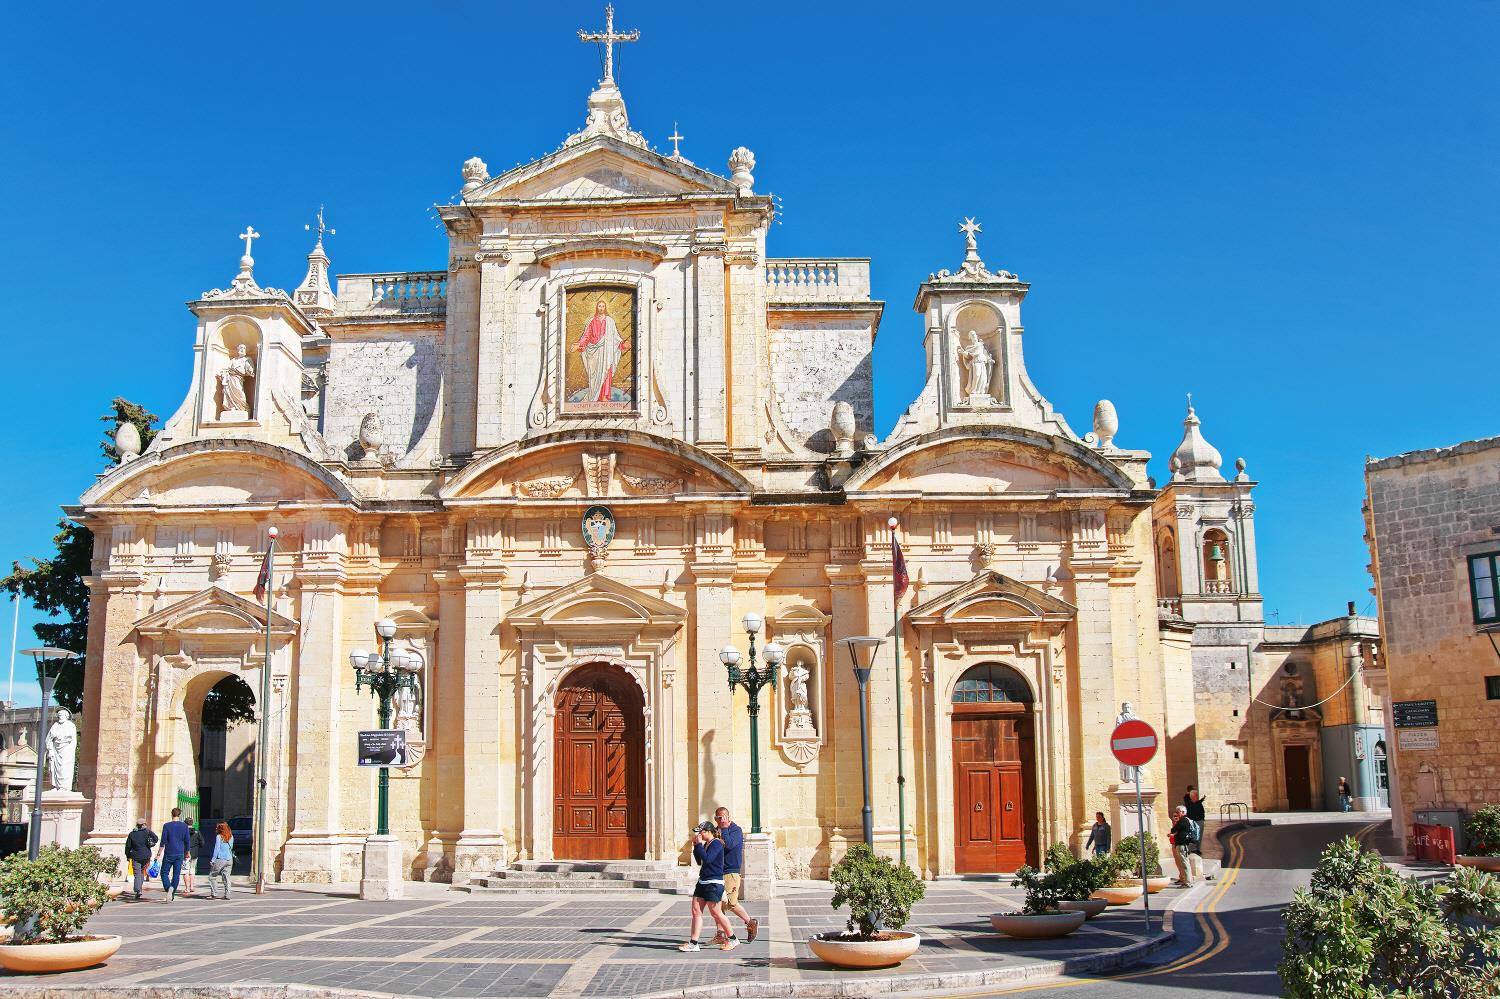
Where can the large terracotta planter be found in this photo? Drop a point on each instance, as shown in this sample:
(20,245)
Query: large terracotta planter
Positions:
(1491,864)
(897,947)
(1044,927)
(1154,885)
(68,956)
(1090,907)
(1118,894)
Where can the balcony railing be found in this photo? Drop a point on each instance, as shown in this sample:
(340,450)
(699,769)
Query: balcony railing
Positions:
(1218,586)
(818,279)
(1169,606)
(405,291)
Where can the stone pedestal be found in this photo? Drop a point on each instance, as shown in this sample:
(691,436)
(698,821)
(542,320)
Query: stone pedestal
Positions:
(382,877)
(758,876)
(1125,820)
(62,817)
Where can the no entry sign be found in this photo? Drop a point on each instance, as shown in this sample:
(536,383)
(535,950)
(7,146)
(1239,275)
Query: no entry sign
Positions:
(1133,743)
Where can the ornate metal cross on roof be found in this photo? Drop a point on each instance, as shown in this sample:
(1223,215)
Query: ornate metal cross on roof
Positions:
(969,228)
(676,153)
(248,235)
(608,36)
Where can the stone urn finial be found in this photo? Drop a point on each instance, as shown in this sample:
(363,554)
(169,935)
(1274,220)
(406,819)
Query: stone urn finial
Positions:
(1106,424)
(127,441)
(475,173)
(841,426)
(741,162)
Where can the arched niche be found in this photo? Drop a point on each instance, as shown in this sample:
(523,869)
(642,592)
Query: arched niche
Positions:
(987,325)
(1168,583)
(225,342)
(802,631)
(1218,572)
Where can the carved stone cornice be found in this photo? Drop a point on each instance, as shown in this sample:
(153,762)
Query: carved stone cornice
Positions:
(712,573)
(482,576)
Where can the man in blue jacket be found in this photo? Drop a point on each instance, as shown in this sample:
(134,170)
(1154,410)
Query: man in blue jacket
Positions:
(734,862)
(175,839)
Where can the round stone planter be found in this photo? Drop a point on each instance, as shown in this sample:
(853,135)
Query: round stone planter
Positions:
(1154,885)
(1090,907)
(1491,864)
(1118,894)
(1044,927)
(69,956)
(842,953)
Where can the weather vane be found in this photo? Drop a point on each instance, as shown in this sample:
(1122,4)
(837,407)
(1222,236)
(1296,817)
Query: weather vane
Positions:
(322,228)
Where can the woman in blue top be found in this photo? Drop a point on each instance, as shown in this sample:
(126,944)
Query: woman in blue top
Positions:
(708,851)
(221,862)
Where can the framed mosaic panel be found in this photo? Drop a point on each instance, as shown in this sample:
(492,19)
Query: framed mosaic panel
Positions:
(599,349)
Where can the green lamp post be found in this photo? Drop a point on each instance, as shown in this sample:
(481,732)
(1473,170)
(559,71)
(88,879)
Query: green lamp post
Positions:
(386,673)
(752,679)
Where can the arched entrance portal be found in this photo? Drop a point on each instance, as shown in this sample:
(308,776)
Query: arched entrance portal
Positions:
(994,778)
(599,767)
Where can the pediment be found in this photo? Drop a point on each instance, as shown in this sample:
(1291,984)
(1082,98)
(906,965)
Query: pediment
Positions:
(992,599)
(214,611)
(218,473)
(600,169)
(988,461)
(597,600)
(628,466)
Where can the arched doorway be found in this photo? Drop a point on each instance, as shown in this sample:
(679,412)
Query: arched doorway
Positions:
(599,767)
(994,771)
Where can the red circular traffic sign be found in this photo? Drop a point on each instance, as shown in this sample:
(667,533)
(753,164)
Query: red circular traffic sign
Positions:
(1133,743)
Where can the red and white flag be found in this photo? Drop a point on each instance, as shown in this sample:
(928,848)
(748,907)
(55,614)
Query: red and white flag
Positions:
(898,566)
(263,581)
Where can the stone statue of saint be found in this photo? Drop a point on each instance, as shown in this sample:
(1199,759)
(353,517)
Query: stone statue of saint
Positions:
(979,366)
(233,403)
(1127,774)
(62,751)
(799,719)
(409,707)
(800,677)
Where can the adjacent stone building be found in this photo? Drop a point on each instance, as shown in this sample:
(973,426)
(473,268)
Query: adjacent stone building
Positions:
(1433,526)
(568,463)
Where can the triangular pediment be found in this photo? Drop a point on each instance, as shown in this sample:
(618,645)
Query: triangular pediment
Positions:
(991,598)
(601,169)
(214,611)
(596,599)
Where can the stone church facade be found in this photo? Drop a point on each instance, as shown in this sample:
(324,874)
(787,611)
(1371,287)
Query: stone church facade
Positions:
(611,331)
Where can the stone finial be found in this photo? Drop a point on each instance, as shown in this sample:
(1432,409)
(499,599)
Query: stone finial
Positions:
(475,173)
(1197,459)
(741,162)
(314,295)
(1239,470)
(127,441)
(841,426)
(1106,424)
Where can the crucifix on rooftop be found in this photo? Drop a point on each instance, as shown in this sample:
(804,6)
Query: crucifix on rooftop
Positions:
(248,235)
(676,153)
(608,36)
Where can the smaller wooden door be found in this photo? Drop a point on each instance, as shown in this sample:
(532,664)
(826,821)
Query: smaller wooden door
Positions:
(993,795)
(1298,778)
(599,775)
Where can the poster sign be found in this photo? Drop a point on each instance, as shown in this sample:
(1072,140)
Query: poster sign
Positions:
(1417,740)
(382,747)
(1414,714)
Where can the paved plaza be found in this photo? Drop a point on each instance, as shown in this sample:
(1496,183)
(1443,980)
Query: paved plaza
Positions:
(609,943)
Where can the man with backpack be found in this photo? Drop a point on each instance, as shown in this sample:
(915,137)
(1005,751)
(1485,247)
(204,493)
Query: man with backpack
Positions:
(1184,835)
(138,851)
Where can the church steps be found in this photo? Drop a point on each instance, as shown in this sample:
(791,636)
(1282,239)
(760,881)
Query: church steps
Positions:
(524,877)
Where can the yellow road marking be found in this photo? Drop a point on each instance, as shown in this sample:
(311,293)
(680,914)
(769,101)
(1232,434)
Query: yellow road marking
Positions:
(1215,936)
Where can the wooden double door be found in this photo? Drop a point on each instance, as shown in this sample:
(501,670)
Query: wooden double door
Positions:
(599,767)
(994,788)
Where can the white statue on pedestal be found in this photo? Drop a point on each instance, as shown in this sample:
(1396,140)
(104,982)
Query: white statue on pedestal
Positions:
(409,707)
(233,403)
(62,751)
(979,367)
(799,716)
(1127,774)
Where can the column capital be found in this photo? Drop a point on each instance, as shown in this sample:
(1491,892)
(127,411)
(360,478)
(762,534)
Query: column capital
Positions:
(482,576)
(712,573)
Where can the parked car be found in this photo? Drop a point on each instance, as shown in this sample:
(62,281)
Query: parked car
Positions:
(243,828)
(14,838)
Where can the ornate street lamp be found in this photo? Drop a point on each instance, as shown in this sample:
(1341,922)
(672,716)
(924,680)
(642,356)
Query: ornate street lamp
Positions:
(862,649)
(752,680)
(42,656)
(386,673)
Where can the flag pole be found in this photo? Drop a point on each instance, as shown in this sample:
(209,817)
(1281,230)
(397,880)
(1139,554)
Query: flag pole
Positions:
(15,627)
(898,585)
(262,738)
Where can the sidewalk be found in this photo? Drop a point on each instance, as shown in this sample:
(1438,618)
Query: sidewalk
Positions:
(624,943)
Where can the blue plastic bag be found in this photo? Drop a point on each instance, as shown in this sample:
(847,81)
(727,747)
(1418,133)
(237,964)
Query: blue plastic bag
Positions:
(153,871)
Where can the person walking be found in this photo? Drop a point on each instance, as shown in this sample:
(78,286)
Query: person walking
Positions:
(708,851)
(1346,796)
(1193,802)
(1100,836)
(221,862)
(176,836)
(733,838)
(138,851)
(195,854)
(1182,837)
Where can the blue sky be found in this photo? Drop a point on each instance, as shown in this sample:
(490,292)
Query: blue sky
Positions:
(1289,210)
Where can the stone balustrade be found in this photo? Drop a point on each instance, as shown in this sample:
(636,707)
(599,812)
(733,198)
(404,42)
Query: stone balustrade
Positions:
(818,279)
(406,291)
(1169,606)
(1218,586)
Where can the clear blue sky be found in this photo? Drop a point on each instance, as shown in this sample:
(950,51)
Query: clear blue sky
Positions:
(1289,211)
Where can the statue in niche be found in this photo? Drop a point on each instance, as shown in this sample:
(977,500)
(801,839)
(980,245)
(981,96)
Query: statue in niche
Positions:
(62,751)
(1294,696)
(233,402)
(799,719)
(979,367)
(409,706)
(1128,774)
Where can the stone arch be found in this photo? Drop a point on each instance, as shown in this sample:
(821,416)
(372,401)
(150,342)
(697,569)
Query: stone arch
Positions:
(1072,464)
(1217,561)
(996,779)
(1017,680)
(139,482)
(1168,581)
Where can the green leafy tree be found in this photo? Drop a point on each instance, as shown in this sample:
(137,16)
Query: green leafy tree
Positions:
(879,894)
(55,587)
(1362,931)
(1483,832)
(50,898)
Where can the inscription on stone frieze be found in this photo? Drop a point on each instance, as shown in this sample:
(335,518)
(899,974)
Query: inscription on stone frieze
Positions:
(618,224)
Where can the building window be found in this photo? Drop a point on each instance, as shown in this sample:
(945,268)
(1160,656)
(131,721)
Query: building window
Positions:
(1484,572)
(990,683)
(1492,687)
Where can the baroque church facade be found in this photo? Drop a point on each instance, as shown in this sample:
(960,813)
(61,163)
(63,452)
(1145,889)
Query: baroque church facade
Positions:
(610,334)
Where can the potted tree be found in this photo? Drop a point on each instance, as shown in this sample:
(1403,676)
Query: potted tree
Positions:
(1483,834)
(47,902)
(1127,863)
(1081,880)
(1040,918)
(880,896)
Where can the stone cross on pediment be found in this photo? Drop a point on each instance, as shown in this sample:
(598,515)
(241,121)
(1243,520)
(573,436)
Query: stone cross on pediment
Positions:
(248,236)
(609,36)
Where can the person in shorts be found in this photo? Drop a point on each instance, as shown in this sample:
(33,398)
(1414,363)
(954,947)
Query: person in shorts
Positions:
(734,862)
(708,851)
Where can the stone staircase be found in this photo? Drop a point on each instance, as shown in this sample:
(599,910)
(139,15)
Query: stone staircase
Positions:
(579,876)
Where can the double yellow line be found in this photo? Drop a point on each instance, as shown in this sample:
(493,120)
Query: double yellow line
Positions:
(1215,935)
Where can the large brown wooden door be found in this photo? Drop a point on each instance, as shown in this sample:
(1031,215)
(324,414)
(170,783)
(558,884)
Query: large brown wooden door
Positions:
(599,768)
(1298,778)
(993,790)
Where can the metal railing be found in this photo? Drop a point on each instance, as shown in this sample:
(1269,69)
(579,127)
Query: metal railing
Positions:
(1234,811)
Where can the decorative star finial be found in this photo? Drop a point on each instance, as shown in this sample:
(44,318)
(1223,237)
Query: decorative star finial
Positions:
(248,236)
(969,228)
(322,227)
(608,36)
(676,153)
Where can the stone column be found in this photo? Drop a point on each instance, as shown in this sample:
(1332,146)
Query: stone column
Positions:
(1097,696)
(708,362)
(489,737)
(445,761)
(112,690)
(716,777)
(461,339)
(879,599)
(842,756)
(491,362)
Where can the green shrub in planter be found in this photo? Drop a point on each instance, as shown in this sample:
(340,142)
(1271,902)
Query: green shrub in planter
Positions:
(50,898)
(1043,891)
(880,894)
(1483,832)
(1080,880)
(1058,858)
(1361,931)
(1126,858)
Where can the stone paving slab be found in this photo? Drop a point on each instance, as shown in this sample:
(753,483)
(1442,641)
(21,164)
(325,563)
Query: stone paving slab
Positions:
(569,946)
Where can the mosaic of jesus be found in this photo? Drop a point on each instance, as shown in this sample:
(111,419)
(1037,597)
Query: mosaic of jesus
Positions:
(600,371)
